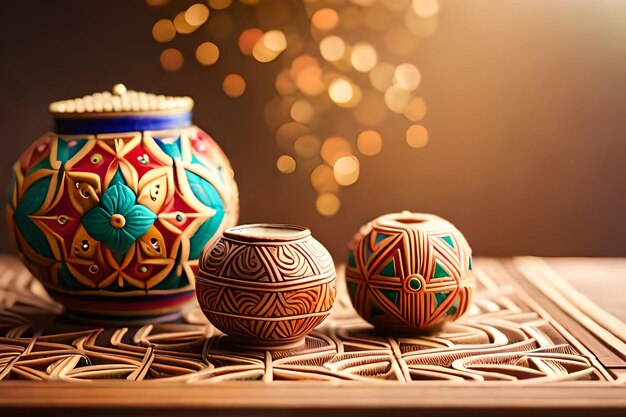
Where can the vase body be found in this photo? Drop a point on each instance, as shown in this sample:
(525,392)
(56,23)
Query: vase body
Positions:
(409,271)
(266,285)
(113,224)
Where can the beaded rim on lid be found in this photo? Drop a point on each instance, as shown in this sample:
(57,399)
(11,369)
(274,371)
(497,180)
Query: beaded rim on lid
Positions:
(121,110)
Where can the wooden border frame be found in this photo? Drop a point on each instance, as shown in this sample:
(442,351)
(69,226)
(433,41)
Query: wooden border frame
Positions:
(255,398)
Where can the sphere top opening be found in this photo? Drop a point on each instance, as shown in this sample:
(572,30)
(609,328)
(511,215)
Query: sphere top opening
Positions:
(407,219)
(267,232)
(121,110)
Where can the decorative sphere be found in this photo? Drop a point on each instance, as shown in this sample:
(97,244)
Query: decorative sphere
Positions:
(113,221)
(266,285)
(409,271)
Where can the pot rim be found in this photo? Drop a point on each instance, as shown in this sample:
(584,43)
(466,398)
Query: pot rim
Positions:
(238,232)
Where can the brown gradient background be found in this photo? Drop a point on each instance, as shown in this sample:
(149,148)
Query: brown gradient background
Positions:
(526,112)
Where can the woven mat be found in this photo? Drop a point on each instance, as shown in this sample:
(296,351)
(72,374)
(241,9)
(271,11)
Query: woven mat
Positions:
(506,337)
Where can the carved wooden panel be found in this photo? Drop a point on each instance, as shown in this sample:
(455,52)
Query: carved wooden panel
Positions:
(507,336)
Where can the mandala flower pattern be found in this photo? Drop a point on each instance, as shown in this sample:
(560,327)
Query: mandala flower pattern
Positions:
(101,218)
(118,221)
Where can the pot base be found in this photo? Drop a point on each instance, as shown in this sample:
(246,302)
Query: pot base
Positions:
(121,321)
(130,310)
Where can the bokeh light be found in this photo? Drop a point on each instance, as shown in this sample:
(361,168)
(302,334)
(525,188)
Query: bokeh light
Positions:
(219,4)
(302,111)
(340,91)
(397,99)
(332,48)
(369,142)
(269,46)
(407,77)
(381,76)
(182,26)
(288,133)
(325,19)
(323,179)
(310,82)
(417,136)
(346,170)
(248,39)
(234,85)
(364,57)
(307,146)
(426,8)
(171,59)
(197,14)
(327,204)
(275,41)
(163,30)
(286,164)
(350,75)
(415,110)
(207,53)
(334,148)
(284,83)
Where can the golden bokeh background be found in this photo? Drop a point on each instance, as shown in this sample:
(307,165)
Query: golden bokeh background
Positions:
(504,117)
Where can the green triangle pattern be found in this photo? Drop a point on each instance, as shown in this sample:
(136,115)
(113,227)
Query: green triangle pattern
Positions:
(351,260)
(367,250)
(391,295)
(439,297)
(470,263)
(352,287)
(448,240)
(454,307)
(389,270)
(118,178)
(376,311)
(43,164)
(439,271)
(380,237)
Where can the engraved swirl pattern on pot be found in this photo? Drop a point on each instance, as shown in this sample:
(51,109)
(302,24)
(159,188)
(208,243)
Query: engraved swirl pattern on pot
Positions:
(244,263)
(325,261)
(290,262)
(211,259)
(270,290)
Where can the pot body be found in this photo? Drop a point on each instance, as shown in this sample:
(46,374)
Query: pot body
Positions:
(113,224)
(266,289)
(409,271)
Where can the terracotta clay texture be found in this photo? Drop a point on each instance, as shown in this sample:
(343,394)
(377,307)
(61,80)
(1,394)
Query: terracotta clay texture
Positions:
(266,285)
(113,224)
(409,271)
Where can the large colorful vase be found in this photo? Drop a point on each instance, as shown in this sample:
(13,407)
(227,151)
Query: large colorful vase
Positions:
(409,271)
(111,211)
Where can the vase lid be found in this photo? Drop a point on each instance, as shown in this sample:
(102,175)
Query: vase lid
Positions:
(120,110)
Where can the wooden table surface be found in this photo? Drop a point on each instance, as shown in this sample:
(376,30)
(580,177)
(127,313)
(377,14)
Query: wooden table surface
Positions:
(543,335)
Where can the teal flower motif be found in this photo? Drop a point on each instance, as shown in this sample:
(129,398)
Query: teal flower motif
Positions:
(118,222)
